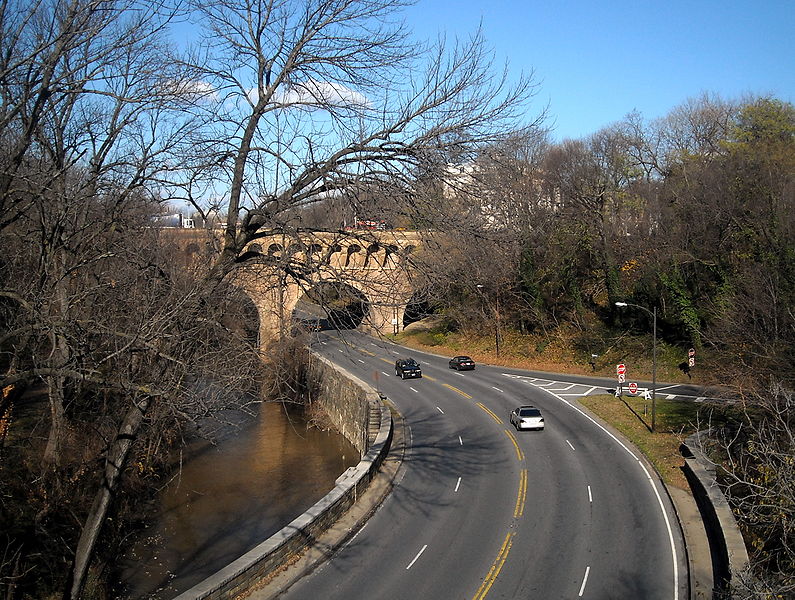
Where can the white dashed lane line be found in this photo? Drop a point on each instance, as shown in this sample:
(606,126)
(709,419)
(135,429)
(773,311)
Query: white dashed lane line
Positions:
(420,554)
(584,581)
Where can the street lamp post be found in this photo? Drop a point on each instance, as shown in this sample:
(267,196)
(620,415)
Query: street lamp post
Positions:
(653,314)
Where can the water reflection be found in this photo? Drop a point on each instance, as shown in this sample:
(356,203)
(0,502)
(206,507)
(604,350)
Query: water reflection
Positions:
(230,497)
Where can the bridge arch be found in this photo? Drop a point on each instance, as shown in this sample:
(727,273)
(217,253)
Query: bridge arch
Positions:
(374,266)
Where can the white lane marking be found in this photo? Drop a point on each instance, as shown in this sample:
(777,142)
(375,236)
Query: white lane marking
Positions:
(590,497)
(460,441)
(589,392)
(414,390)
(374,344)
(458,483)
(700,399)
(569,443)
(459,373)
(324,343)
(670,396)
(667,387)
(387,374)
(651,482)
(498,389)
(418,555)
(440,410)
(340,350)
(361,361)
(584,580)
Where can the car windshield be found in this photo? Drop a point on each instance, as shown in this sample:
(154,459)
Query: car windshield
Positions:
(411,363)
(529,412)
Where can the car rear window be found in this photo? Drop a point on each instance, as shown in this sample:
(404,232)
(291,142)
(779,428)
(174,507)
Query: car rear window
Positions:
(529,412)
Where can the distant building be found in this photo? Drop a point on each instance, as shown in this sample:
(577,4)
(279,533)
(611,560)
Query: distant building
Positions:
(176,220)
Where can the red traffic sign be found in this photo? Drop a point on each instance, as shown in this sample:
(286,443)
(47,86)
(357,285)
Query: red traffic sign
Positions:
(633,388)
(621,369)
(691,353)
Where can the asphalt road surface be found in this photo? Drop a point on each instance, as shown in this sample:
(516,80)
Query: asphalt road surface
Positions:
(481,510)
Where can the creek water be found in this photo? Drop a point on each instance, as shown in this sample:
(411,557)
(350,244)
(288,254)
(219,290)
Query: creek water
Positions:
(231,496)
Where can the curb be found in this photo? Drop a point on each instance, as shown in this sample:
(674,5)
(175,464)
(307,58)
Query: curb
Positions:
(303,533)
(730,556)
(345,529)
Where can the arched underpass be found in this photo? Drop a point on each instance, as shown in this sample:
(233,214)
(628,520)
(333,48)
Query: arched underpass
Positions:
(331,305)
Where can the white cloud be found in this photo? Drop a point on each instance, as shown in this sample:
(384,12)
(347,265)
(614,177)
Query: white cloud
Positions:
(195,89)
(317,94)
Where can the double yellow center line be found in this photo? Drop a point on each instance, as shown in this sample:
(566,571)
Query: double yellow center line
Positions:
(521,497)
(496,567)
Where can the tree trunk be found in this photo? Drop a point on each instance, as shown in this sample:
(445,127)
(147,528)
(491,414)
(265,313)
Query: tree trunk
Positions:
(114,465)
(52,451)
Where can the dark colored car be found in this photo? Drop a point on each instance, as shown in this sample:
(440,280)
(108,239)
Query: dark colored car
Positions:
(462,363)
(407,367)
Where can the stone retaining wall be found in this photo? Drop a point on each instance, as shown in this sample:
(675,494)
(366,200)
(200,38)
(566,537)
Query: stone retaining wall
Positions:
(729,555)
(353,406)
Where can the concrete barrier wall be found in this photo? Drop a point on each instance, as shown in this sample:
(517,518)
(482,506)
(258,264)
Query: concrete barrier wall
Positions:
(729,555)
(345,398)
(354,405)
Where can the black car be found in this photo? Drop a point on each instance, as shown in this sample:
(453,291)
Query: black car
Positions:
(407,367)
(462,363)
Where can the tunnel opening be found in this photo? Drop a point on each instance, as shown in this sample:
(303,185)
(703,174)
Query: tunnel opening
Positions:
(330,305)
(418,309)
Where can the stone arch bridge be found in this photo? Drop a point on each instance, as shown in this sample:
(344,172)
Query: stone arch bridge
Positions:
(283,268)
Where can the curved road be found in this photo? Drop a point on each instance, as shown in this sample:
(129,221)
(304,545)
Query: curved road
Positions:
(480,510)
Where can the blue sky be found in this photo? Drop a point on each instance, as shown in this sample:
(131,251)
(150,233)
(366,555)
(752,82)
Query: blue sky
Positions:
(597,61)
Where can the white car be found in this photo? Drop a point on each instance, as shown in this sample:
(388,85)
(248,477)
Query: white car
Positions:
(527,417)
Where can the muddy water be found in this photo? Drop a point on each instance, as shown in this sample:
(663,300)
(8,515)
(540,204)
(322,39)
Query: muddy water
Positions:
(230,497)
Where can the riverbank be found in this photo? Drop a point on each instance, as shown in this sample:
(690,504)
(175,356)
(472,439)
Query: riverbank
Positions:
(227,497)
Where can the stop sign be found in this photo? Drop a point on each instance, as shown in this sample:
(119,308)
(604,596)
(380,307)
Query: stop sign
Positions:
(621,369)
(633,387)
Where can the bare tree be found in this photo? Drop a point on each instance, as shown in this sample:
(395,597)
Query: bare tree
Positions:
(322,99)
(757,472)
(283,106)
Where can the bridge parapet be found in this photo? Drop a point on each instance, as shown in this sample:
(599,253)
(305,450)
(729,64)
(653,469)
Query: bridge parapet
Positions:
(282,267)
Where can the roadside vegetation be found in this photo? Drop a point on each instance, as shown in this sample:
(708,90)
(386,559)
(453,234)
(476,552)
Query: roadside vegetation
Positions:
(117,342)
